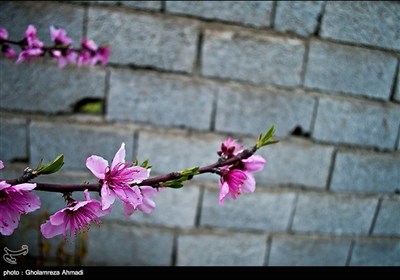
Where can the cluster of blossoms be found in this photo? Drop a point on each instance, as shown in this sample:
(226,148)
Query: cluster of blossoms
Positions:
(62,51)
(118,180)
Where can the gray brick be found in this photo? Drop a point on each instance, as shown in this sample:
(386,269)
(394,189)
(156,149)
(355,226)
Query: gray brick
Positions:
(376,253)
(257,108)
(262,211)
(333,214)
(77,143)
(357,122)
(13,139)
(370,23)
(296,163)
(388,222)
(352,70)
(37,87)
(366,172)
(16,16)
(300,17)
(256,59)
(136,96)
(254,13)
(145,5)
(175,208)
(308,251)
(168,152)
(125,245)
(227,250)
(145,40)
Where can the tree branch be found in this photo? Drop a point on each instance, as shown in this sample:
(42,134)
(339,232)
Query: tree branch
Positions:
(154,182)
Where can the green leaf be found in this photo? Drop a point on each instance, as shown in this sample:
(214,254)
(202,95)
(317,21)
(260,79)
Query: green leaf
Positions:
(173,185)
(190,171)
(145,164)
(52,167)
(264,140)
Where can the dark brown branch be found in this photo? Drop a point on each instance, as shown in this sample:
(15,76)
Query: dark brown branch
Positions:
(154,182)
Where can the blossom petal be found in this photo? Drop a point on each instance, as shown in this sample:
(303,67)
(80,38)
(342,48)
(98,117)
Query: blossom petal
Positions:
(119,156)
(148,205)
(9,222)
(107,197)
(254,163)
(97,165)
(49,230)
(1,164)
(129,209)
(32,202)
(249,185)
(223,192)
(57,218)
(4,185)
(130,195)
(140,174)
(25,187)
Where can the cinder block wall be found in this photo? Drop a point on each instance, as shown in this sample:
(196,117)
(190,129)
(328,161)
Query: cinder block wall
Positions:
(182,77)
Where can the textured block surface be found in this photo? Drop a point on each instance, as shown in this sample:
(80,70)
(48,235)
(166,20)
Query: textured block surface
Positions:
(357,123)
(231,250)
(369,23)
(351,70)
(335,215)
(306,251)
(160,100)
(259,60)
(144,40)
(265,211)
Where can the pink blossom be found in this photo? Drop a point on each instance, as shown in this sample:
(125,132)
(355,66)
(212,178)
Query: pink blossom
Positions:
(233,182)
(15,201)
(34,46)
(3,34)
(1,164)
(32,40)
(91,53)
(238,178)
(28,54)
(89,45)
(59,36)
(229,148)
(103,55)
(9,52)
(75,217)
(116,180)
(6,49)
(64,58)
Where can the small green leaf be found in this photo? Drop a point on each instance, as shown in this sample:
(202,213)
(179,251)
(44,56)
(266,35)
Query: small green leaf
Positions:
(190,171)
(145,164)
(175,184)
(52,167)
(264,140)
